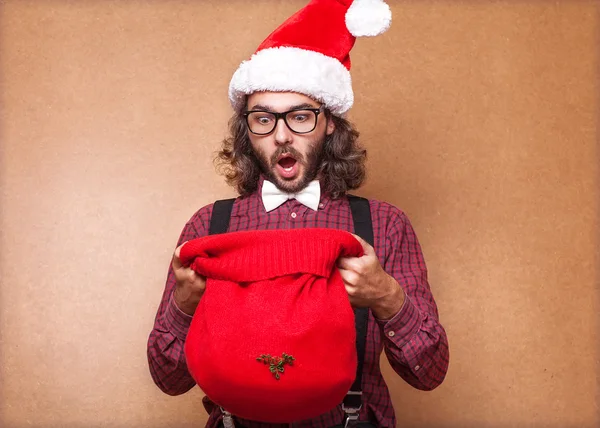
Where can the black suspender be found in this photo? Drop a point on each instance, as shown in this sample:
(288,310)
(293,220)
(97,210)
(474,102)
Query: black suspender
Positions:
(363,227)
(221,213)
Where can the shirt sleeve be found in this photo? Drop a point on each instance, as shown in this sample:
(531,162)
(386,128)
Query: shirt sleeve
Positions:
(166,356)
(415,342)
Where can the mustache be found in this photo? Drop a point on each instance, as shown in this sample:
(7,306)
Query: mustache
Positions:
(287,150)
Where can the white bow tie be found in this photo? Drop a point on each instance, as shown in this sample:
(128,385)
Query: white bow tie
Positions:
(273,197)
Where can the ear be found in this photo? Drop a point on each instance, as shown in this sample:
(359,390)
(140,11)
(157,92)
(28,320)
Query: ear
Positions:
(330,126)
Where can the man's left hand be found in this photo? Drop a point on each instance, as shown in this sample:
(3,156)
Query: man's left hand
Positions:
(368,285)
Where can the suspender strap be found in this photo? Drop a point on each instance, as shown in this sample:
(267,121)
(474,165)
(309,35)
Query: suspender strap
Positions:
(221,212)
(363,227)
(361,214)
(219,223)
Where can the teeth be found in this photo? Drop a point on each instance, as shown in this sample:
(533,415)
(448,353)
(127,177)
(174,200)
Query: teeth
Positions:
(287,169)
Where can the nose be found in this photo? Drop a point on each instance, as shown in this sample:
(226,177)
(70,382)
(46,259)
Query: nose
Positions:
(283,135)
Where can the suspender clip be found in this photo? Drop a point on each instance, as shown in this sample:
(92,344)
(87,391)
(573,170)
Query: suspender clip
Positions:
(227,419)
(353,398)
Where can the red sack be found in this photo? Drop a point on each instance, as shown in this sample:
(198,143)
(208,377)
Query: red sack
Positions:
(273,337)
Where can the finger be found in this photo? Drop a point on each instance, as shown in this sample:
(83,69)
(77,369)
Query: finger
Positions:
(351,290)
(192,275)
(349,277)
(350,263)
(344,263)
(176,260)
(359,265)
(176,263)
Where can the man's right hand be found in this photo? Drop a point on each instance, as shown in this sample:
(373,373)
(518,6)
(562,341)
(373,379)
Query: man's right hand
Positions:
(190,285)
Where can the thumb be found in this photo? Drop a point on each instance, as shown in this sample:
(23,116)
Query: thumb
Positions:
(176,260)
(367,249)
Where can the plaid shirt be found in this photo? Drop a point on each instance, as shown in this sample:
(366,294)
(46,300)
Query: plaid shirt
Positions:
(414,341)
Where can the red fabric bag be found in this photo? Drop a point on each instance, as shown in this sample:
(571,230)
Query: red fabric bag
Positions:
(273,337)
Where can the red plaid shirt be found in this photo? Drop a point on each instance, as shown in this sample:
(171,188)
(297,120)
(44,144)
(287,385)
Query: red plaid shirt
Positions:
(414,341)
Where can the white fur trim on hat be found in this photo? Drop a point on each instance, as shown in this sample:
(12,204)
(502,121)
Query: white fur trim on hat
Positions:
(282,69)
(368,18)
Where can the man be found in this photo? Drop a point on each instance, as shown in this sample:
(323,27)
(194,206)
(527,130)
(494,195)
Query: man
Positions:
(293,157)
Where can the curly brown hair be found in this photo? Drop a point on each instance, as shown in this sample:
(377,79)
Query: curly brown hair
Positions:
(342,165)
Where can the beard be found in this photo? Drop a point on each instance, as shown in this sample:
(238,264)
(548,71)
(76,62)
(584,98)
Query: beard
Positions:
(310,163)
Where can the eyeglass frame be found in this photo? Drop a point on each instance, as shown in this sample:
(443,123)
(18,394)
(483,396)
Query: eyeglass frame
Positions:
(282,115)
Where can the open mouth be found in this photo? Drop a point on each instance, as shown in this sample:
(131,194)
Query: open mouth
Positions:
(287,166)
(287,162)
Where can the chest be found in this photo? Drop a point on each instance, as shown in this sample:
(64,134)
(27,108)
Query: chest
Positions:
(293,215)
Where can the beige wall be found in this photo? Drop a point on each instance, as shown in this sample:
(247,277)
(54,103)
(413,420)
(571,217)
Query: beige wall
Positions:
(481,122)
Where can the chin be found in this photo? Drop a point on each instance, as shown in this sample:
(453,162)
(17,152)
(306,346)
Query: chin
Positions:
(289,186)
(293,185)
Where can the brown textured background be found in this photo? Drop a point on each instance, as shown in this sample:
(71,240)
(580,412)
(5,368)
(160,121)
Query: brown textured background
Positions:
(481,121)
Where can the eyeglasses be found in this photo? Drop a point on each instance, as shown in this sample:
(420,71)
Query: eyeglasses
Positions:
(300,121)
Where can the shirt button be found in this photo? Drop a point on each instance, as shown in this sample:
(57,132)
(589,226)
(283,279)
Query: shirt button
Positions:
(417,368)
(293,215)
(321,205)
(391,334)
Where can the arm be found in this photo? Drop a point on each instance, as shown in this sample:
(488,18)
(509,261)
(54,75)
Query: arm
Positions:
(393,284)
(166,356)
(415,342)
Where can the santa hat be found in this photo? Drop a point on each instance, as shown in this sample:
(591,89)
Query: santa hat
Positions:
(310,53)
(273,337)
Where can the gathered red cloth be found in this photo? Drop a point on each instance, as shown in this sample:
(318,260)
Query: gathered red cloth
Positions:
(273,337)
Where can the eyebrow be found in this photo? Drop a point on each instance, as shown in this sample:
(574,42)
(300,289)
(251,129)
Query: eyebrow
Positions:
(294,107)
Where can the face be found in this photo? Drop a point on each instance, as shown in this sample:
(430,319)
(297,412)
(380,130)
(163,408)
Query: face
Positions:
(287,159)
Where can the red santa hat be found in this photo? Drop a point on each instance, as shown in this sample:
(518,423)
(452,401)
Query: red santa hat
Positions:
(273,337)
(310,53)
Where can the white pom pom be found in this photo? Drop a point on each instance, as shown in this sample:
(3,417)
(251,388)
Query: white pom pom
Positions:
(368,18)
